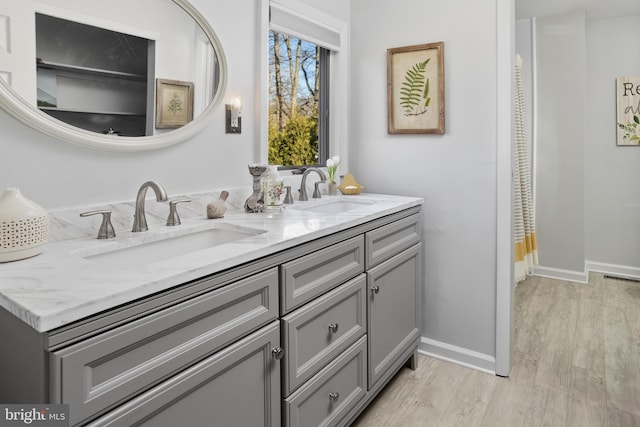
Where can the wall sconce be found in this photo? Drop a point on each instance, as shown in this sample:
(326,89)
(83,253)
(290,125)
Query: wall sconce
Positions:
(233,119)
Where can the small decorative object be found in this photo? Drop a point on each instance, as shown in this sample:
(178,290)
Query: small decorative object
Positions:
(217,208)
(24,226)
(332,166)
(272,189)
(628,100)
(415,89)
(254,203)
(174,103)
(349,185)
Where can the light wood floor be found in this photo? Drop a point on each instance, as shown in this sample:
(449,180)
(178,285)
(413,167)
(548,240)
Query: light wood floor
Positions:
(576,362)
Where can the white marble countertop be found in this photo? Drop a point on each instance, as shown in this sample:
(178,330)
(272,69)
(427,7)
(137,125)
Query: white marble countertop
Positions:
(61,285)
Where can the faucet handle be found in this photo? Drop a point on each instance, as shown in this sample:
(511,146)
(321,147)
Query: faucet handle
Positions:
(106,228)
(316,189)
(174,218)
(289,198)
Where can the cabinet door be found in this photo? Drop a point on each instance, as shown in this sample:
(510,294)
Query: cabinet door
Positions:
(238,386)
(394,310)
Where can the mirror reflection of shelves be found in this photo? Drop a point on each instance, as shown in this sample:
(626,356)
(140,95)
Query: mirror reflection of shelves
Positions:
(108,89)
(90,71)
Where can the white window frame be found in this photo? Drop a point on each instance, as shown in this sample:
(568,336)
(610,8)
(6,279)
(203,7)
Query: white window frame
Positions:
(338,75)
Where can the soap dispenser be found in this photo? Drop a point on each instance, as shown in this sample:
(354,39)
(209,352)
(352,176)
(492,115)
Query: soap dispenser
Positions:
(272,189)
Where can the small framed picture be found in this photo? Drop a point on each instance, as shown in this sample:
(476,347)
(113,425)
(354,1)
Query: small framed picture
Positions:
(628,109)
(415,89)
(174,103)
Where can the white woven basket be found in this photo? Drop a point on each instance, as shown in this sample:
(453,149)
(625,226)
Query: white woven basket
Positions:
(24,226)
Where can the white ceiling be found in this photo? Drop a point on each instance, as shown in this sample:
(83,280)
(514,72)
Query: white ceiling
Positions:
(595,9)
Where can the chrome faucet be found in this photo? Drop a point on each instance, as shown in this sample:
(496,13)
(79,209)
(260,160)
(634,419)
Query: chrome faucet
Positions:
(303,185)
(140,218)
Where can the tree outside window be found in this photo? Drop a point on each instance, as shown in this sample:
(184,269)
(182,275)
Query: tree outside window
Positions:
(294,101)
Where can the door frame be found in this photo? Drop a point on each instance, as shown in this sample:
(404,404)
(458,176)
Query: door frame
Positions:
(505,39)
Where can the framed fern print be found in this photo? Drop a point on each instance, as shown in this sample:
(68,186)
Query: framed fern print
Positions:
(415,89)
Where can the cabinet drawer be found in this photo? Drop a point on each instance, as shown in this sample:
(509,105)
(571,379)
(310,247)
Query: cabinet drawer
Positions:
(238,386)
(311,275)
(109,368)
(389,240)
(316,333)
(326,398)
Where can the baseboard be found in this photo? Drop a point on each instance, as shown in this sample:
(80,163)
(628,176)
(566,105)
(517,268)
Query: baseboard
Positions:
(623,271)
(458,355)
(557,273)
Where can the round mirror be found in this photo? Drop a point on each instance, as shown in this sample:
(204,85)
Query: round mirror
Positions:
(110,74)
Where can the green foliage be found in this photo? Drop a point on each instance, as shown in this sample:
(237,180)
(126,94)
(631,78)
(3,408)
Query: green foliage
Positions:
(631,131)
(297,144)
(414,91)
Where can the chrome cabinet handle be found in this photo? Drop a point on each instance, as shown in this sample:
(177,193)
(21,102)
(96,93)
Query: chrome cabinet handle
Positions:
(333,396)
(375,289)
(333,327)
(277,352)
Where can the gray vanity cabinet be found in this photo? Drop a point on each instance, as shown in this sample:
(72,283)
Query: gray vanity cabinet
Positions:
(306,336)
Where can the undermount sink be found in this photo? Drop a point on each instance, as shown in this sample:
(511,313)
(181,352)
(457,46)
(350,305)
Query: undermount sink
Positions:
(334,206)
(168,247)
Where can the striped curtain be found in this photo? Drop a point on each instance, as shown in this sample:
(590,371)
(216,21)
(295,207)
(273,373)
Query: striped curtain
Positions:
(525,251)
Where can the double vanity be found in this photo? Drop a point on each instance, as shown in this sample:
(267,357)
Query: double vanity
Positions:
(292,317)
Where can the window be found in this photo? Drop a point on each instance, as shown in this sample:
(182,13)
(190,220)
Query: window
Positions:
(298,101)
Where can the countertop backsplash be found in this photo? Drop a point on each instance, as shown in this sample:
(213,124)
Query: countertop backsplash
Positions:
(66,224)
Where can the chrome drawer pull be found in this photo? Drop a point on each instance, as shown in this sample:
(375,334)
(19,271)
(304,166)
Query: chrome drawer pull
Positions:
(333,327)
(333,396)
(277,352)
(375,289)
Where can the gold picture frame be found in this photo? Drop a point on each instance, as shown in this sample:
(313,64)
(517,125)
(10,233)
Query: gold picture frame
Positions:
(174,103)
(415,89)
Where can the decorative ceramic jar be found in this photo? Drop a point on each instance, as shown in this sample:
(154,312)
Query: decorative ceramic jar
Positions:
(24,226)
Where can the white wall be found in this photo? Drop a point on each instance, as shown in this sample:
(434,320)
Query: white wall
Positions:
(612,173)
(560,49)
(454,172)
(588,189)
